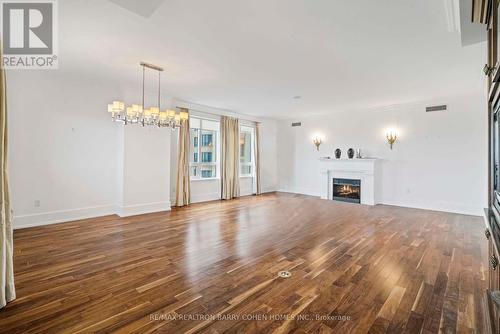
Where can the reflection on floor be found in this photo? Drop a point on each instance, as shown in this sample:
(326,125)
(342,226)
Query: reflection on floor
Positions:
(213,267)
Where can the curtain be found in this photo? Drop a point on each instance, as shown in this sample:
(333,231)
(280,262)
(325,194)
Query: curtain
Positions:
(182,192)
(230,166)
(258,189)
(7,290)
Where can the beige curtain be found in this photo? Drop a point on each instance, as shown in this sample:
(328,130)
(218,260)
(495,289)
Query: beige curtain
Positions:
(182,192)
(7,290)
(230,166)
(258,189)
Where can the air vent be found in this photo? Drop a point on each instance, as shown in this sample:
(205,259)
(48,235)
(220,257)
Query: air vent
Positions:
(297,124)
(436,108)
(284,274)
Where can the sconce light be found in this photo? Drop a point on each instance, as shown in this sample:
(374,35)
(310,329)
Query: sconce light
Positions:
(317,142)
(392,136)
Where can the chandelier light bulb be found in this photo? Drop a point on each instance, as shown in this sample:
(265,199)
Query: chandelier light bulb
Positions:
(137,114)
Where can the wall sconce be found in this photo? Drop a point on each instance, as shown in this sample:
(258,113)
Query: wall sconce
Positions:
(392,136)
(317,142)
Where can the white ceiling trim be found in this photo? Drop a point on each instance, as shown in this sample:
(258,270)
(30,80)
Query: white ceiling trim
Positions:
(178,103)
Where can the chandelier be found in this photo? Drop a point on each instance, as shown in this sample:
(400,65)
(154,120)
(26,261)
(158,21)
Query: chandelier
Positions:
(152,116)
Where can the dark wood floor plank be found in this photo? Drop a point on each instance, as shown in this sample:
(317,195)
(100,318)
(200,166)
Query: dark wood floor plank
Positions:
(212,268)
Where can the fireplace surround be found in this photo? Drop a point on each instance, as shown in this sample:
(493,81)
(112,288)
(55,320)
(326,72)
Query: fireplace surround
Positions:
(367,171)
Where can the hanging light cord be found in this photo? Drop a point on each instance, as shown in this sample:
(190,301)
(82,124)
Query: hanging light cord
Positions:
(159,85)
(143,74)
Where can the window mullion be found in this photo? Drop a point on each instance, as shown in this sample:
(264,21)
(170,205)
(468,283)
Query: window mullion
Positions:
(199,144)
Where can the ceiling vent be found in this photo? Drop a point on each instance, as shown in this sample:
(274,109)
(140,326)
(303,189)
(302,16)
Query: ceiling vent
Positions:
(297,124)
(443,107)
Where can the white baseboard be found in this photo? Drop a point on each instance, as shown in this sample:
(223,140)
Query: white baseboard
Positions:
(198,198)
(299,192)
(54,217)
(139,209)
(63,216)
(442,206)
(268,190)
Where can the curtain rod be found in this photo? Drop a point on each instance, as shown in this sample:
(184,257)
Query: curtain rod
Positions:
(214,114)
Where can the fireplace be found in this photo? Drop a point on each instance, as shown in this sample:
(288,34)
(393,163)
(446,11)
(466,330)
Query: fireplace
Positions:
(346,190)
(366,172)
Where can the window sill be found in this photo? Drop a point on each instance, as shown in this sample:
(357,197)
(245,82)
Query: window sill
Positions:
(205,179)
(218,178)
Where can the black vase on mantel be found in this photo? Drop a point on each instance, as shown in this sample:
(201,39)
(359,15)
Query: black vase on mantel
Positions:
(350,153)
(338,153)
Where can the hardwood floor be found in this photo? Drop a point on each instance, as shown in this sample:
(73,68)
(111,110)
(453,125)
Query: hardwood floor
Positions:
(213,268)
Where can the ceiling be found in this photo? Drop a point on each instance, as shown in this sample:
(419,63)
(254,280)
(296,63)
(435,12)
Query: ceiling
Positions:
(142,8)
(471,32)
(253,57)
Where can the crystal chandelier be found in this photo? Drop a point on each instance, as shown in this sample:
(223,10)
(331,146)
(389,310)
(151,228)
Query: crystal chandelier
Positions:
(137,114)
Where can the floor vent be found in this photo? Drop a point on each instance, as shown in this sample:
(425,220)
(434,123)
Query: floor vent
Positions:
(284,274)
(436,108)
(297,124)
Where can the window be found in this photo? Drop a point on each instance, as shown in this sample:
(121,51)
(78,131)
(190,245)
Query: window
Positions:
(206,173)
(206,156)
(194,145)
(206,139)
(246,151)
(203,151)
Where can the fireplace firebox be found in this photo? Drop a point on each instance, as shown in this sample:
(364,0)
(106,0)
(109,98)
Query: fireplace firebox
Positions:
(346,190)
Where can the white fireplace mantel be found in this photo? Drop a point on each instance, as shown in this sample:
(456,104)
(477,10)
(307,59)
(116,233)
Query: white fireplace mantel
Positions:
(365,170)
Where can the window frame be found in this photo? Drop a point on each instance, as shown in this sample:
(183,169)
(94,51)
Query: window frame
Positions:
(249,129)
(215,152)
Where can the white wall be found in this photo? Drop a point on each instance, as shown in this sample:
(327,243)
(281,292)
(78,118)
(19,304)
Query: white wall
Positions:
(69,161)
(66,154)
(62,146)
(144,163)
(269,155)
(439,161)
(210,190)
(146,171)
